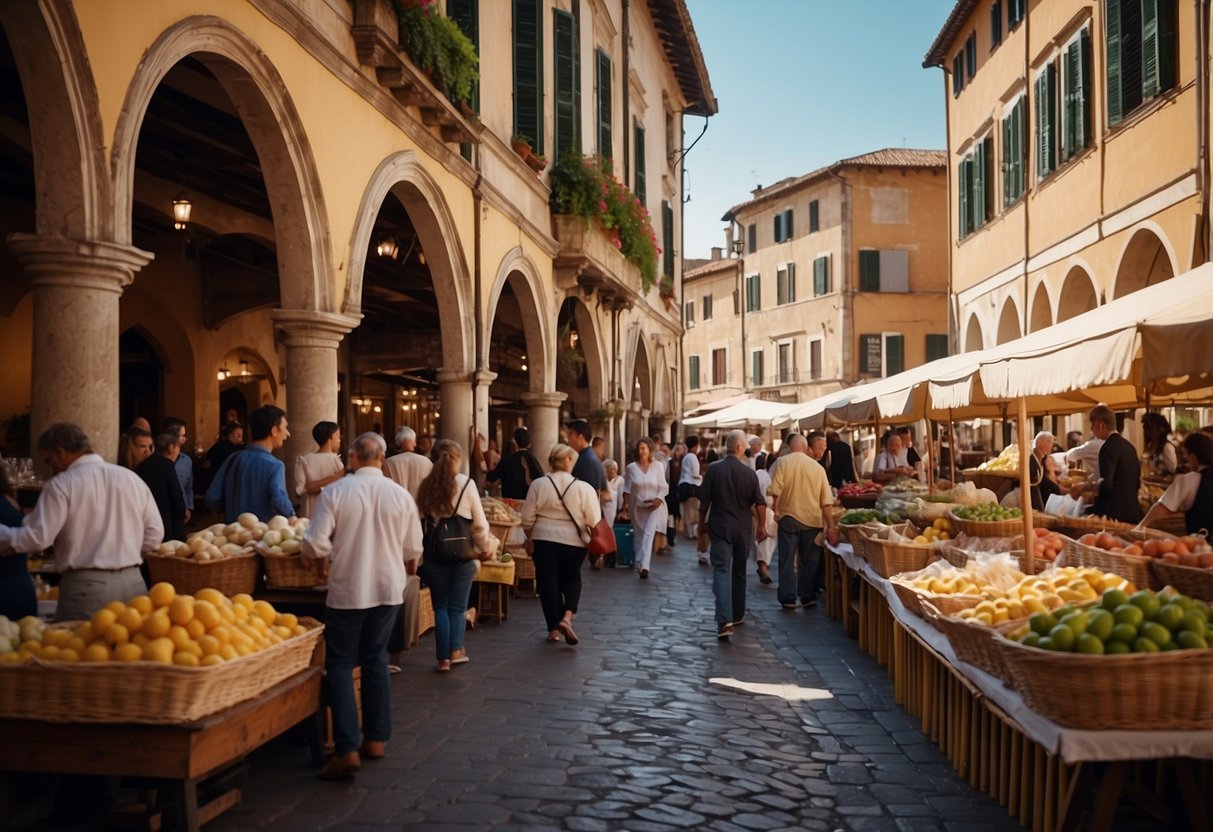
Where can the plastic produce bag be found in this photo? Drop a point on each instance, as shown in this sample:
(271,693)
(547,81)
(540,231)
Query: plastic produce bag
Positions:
(1063,505)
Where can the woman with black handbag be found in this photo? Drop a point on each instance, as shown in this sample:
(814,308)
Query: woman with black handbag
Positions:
(557,516)
(456,534)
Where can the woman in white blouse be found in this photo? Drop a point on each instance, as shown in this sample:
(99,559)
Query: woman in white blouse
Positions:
(611,504)
(314,471)
(644,489)
(765,548)
(557,515)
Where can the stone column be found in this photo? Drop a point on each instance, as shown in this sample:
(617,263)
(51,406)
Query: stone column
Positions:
(544,422)
(455,419)
(77,286)
(484,380)
(311,340)
(659,423)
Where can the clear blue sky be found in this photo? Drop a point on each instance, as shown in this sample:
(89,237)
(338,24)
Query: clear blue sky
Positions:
(801,84)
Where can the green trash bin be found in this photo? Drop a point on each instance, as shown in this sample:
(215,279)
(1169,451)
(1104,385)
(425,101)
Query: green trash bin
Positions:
(625,553)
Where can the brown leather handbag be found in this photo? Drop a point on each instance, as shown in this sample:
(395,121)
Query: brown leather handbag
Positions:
(598,539)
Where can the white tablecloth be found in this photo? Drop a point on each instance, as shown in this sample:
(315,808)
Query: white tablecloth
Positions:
(1073,745)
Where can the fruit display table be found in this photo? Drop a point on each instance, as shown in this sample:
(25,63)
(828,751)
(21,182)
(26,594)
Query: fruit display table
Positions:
(186,755)
(1039,770)
(494,582)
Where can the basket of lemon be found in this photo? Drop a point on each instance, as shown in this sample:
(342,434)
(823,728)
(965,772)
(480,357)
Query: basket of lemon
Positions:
(892,550)
(157,658)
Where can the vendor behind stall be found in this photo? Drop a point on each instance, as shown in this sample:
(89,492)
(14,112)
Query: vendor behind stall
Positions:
(1190,494)
(892,461)
(100,517)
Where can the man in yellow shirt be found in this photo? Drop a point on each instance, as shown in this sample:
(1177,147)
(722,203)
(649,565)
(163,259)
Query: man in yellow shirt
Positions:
(802,509)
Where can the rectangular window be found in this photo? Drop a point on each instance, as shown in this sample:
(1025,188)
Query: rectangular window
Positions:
(736,302)
(693,372)
(639,188)
(815,371)
(783,226)
(566,83)
(958,73)
(1014,139)
(786,356)
(667,240)
(707,307)
(869,270)
(995,23)
(785,284)
(466,15)
(688,314)
(971,56)
(894,354)
(871,354)
(751,238)
(981,183)
(937,347)
(1076,114)
(1140,50)
(753,293)
(756,371)
(962,189)
(602,83)
(1046,121)
(528,72)
(814,217)
(720,367)
(821,276)
(1014,13)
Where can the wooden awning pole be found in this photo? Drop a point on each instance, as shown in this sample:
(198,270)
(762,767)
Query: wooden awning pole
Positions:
(1025,487)
(930,460)
(952,446)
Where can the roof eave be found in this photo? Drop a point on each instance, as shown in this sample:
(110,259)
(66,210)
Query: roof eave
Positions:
(680,42)
(938,53)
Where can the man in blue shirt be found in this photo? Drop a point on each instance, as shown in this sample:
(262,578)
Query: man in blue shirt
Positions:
(183,463)
(254,480)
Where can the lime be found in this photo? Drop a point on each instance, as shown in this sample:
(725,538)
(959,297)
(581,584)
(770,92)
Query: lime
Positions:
(1189,639)
(1171,616)
(1041,623)
(1116,647)
(1195,623)
(1100,624)
(1124,633)
(1144,645)
(1200,609)
(1076,621)
(1170,645)
(1156,633)
(1113,598)
(1129,614)
(1046,643)
(1147,602)
(1088,643)
(1063,637)
(1030,640)
(1062,611)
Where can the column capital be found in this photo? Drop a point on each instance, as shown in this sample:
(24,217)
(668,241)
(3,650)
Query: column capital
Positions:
(83,264)
(554,399)
(308,328)
(484,377)
(445,375)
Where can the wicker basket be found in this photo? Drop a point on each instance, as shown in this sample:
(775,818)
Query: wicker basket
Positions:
(1078,526)
(859,501)
(500,531)
(915,600)
(1190,580)
(230,576)
(288,572)
(147,692)
(426,618)
(993,528)
(1135,569)
(854,535)
(972,641)
(888,558)
(1134,691)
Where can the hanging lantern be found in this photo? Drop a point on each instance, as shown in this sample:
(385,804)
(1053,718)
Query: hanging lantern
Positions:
(387,246)
(181,211)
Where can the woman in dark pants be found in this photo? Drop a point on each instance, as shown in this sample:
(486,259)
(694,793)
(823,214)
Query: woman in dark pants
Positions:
(557,515)
(17,598)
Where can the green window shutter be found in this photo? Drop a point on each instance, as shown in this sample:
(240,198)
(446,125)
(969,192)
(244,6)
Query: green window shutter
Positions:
(566,82)
(1051,113)
(971,56)
(756,368)
(1021,141)
(787,224)
(821,276)
(1073,102)
(987,173)
(977,200)
(814,217)
(667,239)
(752,238)
(603,80)
(869,270)
(791,280)
(1112,55)
(1084,88)
(895,354)
(777,228)
(693,372)
(1039,94)
(528,72)
(1149,49)
(937,347)
(639,190)
(958,73)
(995,23)
(962,190)
(1008,183)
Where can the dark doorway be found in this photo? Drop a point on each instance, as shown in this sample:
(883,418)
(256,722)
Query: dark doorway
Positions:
(140,379)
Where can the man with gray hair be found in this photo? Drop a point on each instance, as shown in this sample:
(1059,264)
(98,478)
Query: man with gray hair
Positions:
(366,535)
(408,468)
(100,518)
(802,509)
(731,506)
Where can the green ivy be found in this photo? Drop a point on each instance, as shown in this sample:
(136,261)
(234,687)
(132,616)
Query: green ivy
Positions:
(438,47)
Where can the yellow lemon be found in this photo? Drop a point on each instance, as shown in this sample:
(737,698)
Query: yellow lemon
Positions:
(206,613)
(243,599)
(117,634)
(179,636)
(162,594)
(228,612)
(209,645)
(298,630)
(921,539)
(158,623)
(142,603)
(265,611)
(159,650)
(228,652)
(181,611)
(287,619)
(131,618)
(282,631)
(84,632)
(141,639)
(195,628)
(76,643)
(116,607)
(95,653)
(67,654)
(128,653)
(103,619)
(222,634)
(211,596)
(48,653)
(185,659)
(209,661)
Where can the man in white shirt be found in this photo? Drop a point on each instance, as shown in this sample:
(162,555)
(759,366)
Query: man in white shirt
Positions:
(100,518)
(688,485)
(1086,455)
(367,536)
(408,468)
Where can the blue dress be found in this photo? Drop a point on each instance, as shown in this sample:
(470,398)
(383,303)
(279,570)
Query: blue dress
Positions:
(17,598)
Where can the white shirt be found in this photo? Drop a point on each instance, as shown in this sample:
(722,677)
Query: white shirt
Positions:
(97,515)
(611,507)
(887,460)
(367,527)
(312,467)
(408,469)
(1181,493)
(545,518)
(690,470)
(644,487)
(1088,454)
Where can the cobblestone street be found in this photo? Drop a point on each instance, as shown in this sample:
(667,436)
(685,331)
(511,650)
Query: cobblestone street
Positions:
(642,726)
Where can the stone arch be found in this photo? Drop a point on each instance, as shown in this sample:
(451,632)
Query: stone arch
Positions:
(404,176)
(257,362)
(1008,322)
(642,370)
(975,339)
(1042,310)
(593,347)
(1077,294)
(519,272)
(66,133)
(258,92)
(1148,258)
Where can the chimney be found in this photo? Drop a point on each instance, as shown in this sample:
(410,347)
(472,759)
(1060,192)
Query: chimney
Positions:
(716,252)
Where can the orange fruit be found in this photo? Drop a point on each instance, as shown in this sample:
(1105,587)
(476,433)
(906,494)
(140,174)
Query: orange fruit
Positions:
(162,594)
(207,614)
(131,618)
(128,653)
(103,619)
(211,660)
(158,623)
(142,603)
(181,610)
(116,606)
(195,628)
(117,634)
(185,659)
(179,636)
(159,650)
(95,653)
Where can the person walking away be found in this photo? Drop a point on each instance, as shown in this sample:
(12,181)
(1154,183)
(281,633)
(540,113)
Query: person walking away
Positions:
(731,507)
(160,474)
(802,509)
(182,463)
(366,535)
(446,493)
(517,470)
(764,547)
(557,515)
(841,467)
(688,485)
(254,480)
(409,467)
(316,470)
(644,491)
(589,466)
(673,506)
(100,518)
(17,598)
(1115,490)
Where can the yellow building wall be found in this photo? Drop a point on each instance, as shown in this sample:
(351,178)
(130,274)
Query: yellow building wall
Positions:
(723,329)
